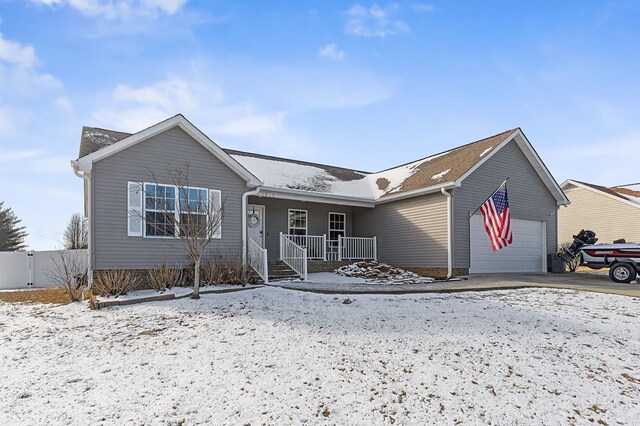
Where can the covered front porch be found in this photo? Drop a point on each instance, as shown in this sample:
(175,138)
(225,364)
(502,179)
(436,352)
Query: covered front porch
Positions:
(290,233)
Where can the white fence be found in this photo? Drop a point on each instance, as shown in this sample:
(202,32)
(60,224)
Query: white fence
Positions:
(258,260)
(28,269)
(357,248)
(293,255)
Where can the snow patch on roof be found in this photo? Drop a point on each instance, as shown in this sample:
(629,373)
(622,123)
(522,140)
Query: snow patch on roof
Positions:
(486,151)
(440,175)
(304,177)
(314,178)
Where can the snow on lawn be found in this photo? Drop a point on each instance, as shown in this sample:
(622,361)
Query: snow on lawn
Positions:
(272,356)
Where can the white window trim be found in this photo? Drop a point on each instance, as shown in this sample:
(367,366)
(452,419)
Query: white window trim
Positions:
(329,229)
(306,222)
(139,211)
(176,212)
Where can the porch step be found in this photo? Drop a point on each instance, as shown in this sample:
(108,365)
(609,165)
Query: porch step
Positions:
(281,271)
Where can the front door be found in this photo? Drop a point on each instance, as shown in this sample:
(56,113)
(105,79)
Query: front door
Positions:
(255,223)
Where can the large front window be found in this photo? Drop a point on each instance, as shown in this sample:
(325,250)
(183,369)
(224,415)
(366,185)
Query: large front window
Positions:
(297,222)
(171,211)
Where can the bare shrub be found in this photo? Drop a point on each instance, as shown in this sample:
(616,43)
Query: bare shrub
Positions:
(115,282)
(163,277)
(69,272)
(575,260)
(227,270)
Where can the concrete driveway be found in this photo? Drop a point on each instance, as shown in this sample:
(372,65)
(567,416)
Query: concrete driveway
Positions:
(575,281)
(476,282)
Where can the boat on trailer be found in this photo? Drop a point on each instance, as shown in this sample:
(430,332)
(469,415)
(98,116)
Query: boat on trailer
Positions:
(622,258)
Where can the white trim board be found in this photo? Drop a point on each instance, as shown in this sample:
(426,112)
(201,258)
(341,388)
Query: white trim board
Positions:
(597,191)
(86,163)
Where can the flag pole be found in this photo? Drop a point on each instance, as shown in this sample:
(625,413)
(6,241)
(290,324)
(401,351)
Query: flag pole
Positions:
(475,211)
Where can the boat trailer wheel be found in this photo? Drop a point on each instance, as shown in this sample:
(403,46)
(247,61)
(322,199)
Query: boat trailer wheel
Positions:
(622,273)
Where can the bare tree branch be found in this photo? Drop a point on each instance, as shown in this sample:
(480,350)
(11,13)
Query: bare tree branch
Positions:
(75,235)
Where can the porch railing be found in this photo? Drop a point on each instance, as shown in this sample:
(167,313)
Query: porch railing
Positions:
(258,260)
(357,248)
(316,245)
(294,255)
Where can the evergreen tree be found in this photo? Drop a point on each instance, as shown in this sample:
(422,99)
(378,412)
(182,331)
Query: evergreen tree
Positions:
(11,234)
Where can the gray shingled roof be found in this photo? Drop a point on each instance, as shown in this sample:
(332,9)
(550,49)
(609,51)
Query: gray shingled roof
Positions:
(95,138)
(447,166)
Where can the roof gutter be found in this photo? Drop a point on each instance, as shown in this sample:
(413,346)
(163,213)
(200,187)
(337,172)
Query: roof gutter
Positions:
(449,233)
(317,197)
(86,177)
(416,192)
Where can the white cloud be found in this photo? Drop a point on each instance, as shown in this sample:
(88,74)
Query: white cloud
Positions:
(331,51)
(138,107)
(118,9)
(17,54)
(64,103)
(248,107)
(18,74)
(374,21)
(7,156)
(422,7)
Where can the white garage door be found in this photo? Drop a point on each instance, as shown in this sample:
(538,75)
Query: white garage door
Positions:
(527,253)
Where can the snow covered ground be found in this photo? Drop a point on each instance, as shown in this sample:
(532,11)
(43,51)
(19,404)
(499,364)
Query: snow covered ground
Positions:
(272,356)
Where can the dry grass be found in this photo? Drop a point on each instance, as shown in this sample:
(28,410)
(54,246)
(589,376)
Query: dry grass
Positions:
(45,295)
(586,270)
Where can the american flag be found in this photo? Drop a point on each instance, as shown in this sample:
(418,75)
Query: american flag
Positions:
(497,219)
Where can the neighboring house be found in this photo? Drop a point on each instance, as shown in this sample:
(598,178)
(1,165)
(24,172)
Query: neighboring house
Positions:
(612,213)
(414,216)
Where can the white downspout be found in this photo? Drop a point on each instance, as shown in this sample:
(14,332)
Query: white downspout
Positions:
(245,197)
(449,234)
(87,178)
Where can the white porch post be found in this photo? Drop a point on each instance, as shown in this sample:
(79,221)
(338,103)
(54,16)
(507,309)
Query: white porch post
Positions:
(375,248)
(339,247)
(304,266)
(324,246)
(281,246)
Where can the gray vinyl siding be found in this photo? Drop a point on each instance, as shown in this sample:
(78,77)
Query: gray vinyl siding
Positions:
(160,156)
(411,232)
(529,198)
(610,219)
(276,219)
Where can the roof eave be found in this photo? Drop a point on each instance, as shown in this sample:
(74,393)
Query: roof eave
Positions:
(323,197)
(416,192)
(86,163)
(596,190)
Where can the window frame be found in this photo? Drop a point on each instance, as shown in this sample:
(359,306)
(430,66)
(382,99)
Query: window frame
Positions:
(144,210)
(179,206)
(177,211)
(306,221)
(329,228)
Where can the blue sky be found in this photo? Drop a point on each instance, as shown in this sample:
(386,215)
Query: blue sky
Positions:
(357,84)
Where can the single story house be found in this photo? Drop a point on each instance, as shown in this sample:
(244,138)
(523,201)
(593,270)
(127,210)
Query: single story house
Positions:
(417,216)
(612,213)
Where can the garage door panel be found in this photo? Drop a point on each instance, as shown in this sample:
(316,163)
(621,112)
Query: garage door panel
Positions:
(525,254)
